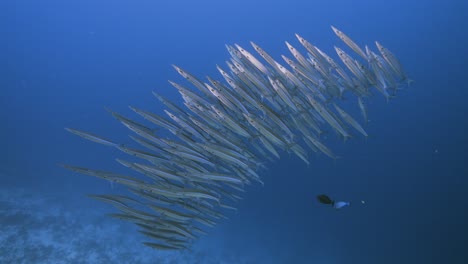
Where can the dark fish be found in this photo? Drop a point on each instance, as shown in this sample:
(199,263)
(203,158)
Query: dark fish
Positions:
(325,199)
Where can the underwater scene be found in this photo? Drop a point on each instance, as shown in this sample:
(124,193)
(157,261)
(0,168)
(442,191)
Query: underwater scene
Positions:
(233,132)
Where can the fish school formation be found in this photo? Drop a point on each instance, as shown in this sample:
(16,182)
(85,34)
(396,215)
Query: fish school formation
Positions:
(229,130)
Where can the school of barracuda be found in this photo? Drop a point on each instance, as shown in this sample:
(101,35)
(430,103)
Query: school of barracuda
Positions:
(228,131)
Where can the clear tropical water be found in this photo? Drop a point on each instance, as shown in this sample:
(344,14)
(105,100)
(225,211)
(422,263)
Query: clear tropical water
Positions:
(62,62)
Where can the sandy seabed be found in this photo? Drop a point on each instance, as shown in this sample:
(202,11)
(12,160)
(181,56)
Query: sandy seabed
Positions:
(43,228)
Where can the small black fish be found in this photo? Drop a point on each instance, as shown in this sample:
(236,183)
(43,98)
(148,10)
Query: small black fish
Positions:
(325,199)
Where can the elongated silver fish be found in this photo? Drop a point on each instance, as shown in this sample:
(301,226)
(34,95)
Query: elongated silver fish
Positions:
(196,162)
(350,120)
(349,42)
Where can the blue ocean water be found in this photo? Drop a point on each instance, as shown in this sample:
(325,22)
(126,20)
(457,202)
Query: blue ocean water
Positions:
(62,62)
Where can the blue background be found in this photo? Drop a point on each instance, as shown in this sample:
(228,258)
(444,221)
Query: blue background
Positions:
(62,62)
